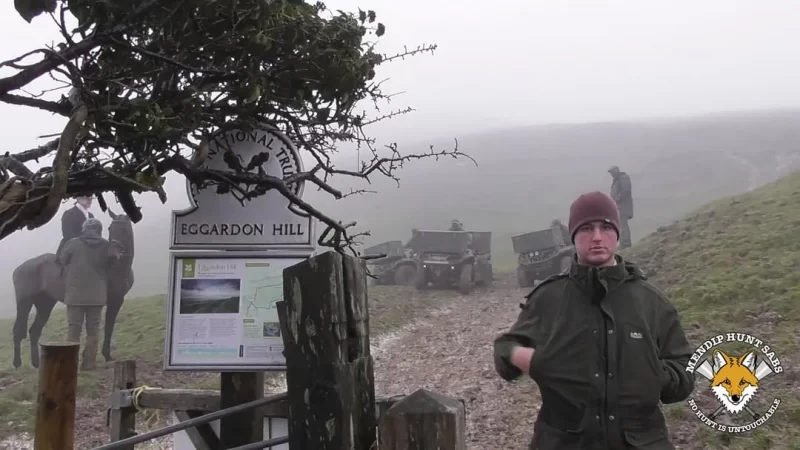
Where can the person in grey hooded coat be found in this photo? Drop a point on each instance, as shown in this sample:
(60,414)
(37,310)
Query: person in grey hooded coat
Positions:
(621,192)
(86,260)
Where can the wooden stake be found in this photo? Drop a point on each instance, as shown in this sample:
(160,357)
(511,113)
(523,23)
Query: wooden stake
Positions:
(58,386)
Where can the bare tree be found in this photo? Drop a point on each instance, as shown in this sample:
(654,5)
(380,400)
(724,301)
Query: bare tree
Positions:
(148,82)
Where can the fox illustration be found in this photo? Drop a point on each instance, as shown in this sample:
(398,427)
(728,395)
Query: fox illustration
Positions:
(734,381)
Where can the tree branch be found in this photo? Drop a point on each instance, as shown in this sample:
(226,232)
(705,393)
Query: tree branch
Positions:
(35,153)
(48,63)
(57,59)
(14,166)
(164,58)
(158,76)
(62,109)
(66,144)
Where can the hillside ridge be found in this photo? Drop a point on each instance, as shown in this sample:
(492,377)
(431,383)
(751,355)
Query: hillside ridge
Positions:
(733,266)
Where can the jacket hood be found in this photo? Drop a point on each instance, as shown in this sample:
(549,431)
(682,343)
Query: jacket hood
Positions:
(92,239)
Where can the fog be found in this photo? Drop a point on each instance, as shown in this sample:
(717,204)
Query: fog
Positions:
(545,96)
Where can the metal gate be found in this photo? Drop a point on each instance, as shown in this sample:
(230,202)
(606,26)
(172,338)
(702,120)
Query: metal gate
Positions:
(207,418)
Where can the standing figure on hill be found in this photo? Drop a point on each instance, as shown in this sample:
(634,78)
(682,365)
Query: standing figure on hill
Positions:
(86,260)
(622,194)
(602,344)
(455,225)
(73,218)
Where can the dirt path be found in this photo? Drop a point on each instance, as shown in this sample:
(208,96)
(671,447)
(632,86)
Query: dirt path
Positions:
(450,353)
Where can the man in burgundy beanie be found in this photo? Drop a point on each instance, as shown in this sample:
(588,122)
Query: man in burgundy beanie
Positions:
(586,210)
(602,343)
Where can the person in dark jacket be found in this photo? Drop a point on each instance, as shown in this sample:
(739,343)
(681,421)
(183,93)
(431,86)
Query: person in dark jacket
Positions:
(623,196)
(86,260)
(73,218)
(603,345)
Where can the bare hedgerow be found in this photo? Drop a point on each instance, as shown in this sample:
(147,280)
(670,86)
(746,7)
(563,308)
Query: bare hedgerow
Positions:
(145,83)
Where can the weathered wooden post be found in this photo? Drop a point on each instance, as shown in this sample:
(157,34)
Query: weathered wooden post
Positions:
(424,420)
(245,427)
(329,375)
(382,405)
(122,418)
(58,385)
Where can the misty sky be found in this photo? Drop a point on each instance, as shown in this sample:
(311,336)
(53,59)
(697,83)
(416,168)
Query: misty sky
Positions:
(523,62)
(516,63)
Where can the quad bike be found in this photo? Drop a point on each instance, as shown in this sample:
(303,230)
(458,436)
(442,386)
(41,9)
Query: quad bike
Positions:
(396,268)
(541,254)
(452,259)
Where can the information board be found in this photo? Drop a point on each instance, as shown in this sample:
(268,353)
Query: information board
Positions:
(222,314)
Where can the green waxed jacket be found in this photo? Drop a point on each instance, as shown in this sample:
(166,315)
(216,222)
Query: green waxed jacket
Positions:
(609,346)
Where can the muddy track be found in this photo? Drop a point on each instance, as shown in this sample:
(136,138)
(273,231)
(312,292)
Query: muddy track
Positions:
(450,352)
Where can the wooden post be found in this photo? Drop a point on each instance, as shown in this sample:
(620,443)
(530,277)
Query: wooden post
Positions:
(382,405)
(245,427)
(424,420)
(58,385)
(329,370)
(122,420)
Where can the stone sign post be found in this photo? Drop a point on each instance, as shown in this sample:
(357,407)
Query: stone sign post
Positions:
(228,252)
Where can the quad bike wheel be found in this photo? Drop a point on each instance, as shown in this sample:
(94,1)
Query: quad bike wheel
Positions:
(485,277)
(420,279)
(465,279)
(405,275)
(522,278)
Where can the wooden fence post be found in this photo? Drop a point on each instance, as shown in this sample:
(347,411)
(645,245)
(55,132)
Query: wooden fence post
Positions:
(122,420)
(424,420)
(58,385)
(248,426)
(329,375)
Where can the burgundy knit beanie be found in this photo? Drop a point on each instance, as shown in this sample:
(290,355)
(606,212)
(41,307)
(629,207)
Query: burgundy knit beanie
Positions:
(590,207)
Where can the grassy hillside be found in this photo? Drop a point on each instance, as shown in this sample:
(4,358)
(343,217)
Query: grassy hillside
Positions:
(139,335)
(734,266)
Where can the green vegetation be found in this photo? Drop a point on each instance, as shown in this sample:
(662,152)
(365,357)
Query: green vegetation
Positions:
(139,335)
(734,266)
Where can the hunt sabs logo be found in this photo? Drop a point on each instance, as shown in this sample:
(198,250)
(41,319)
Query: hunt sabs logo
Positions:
(735,379)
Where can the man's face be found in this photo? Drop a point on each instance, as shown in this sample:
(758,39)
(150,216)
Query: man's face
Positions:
(86,202)
(596,243)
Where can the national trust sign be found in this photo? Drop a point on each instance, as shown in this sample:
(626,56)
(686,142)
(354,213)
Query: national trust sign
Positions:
(221,221)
